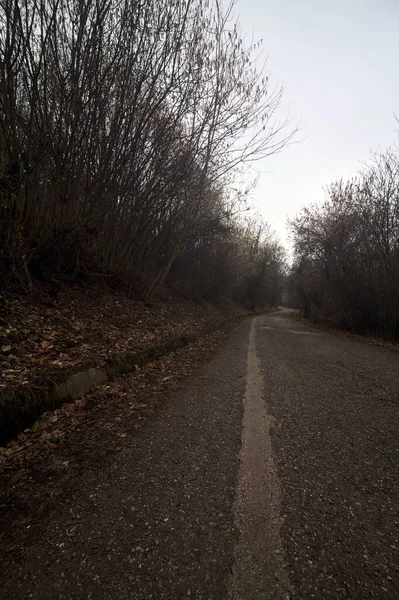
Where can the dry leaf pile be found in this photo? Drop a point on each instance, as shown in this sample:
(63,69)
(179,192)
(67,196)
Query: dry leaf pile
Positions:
(81,329)
(86,327)
(92,428)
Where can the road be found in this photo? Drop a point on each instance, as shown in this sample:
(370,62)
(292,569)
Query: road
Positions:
(271,474)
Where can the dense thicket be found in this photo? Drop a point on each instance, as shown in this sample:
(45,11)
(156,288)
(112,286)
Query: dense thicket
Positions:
(122,126)
(347,251)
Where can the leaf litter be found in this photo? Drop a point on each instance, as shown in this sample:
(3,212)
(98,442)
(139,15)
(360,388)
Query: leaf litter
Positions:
(81,435)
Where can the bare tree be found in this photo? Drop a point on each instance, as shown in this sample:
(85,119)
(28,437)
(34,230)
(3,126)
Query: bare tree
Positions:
(122,126)
(347,251)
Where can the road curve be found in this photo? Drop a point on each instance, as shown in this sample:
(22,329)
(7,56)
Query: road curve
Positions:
(271,474)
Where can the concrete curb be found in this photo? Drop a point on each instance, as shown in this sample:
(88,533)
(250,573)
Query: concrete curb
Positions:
(85,381)
(21,407)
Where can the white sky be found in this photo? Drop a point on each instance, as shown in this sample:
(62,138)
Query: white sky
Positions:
(339,64)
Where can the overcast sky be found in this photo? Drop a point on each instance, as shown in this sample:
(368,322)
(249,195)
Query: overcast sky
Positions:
(339,64)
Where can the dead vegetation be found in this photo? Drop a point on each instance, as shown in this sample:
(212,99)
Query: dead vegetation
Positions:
(346,265)
(36,464)
(45,342)
(87,327)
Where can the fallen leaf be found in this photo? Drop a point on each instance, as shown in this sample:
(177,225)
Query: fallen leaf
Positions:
(50,445)
(37,426)
(46,345)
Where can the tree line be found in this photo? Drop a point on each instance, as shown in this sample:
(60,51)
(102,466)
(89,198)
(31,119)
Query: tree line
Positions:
(124,127)
(346,265)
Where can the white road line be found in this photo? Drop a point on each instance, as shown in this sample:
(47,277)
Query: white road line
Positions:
(258,572)
(292,331)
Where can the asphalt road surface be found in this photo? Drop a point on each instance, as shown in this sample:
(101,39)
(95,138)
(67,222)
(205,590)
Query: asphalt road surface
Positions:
(271,474)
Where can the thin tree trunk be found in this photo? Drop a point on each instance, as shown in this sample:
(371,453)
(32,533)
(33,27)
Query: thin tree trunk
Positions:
(163,273)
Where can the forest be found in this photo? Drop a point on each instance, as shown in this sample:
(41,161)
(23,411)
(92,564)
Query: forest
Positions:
(346,262)
(126,130)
